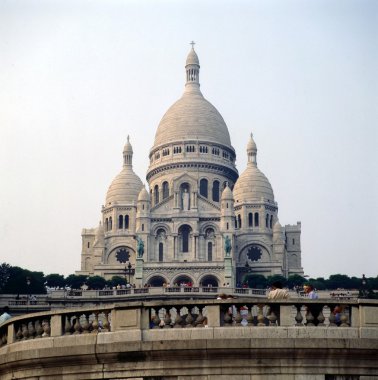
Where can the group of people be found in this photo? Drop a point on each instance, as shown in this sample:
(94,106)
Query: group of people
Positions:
(277,292)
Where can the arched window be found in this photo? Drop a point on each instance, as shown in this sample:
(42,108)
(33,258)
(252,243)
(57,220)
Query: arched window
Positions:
(267,221)
(250,219)
(210,251)
(216,191)
(204,187)
(156,194)
(271,221)
(256,219)
(236,223)
(106,224)
(165,190)
(161,251)
(110,223)
(120,221)
(127,222)
(184,232)
(227,226)
(239,221)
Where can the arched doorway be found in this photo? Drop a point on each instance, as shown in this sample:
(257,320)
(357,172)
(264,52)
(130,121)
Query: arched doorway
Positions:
(183,280)
(156,281)
(209,281)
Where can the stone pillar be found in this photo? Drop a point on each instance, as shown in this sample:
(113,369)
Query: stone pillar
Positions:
(228,274)
(138,277)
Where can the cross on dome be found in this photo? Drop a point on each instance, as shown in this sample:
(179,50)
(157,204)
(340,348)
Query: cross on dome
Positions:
(192,43)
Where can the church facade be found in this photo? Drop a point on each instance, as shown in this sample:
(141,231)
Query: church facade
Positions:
(199,222)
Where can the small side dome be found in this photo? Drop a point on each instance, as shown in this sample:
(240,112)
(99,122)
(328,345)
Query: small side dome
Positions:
(143,195)
(252,185)
(192,58)
(227,194)
(126,186)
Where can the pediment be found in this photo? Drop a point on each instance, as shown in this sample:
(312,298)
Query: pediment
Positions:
(185,178)
(205,205)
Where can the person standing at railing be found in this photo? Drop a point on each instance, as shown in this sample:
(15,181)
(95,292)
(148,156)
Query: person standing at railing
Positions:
(310,292)
(277,293)
(5,316)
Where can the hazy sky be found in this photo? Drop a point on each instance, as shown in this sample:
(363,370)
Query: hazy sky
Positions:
(77,77)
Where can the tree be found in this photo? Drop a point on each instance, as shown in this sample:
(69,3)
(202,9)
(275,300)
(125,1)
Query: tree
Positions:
(116,280)
(96,282)
(295,280)
(22,281)
(4,274)
(55,280)
(336,281)
(75,281)
(277,278)
(257,281)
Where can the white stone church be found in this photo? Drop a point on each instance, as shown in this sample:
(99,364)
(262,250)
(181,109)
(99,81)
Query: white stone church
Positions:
(199,222)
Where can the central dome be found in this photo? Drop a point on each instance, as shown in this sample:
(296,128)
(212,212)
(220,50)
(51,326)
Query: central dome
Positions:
(192,117)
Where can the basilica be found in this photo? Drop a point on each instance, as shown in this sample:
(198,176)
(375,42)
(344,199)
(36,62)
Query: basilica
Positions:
(199,221)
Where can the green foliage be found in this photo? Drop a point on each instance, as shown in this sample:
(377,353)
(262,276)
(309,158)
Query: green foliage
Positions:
(96,282)
(277,278)
(295,280)
(75,282)
(318,284)
(116,280)
(257,281)
(336,281)
(4,274)
(55,280)
(22,281)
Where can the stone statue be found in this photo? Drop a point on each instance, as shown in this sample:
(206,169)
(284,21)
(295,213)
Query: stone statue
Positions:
(185,200)
(227,246)
(140,247)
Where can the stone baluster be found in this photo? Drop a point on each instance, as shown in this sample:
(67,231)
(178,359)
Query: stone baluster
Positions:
(95,324)
(238,317)
(309,318)
(250,317)
(156,320)
(321,318)
(344,320)
(189,319)
(46,328)
(3,339)
(272,317)
(332,318)
(200,319)
(77,326)
(260,316)
(38,329)
(85,324)
(25,332)
(106,324)
(19,335)
(227,316)
(167,320)
(31,330)
(178,320)
(67,326)
(298,316)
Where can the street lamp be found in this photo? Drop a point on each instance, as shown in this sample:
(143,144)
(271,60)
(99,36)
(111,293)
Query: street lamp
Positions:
(28,285)
(128,271)
(363,287)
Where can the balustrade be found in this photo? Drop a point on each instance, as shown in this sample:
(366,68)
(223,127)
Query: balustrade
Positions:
(230,312)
